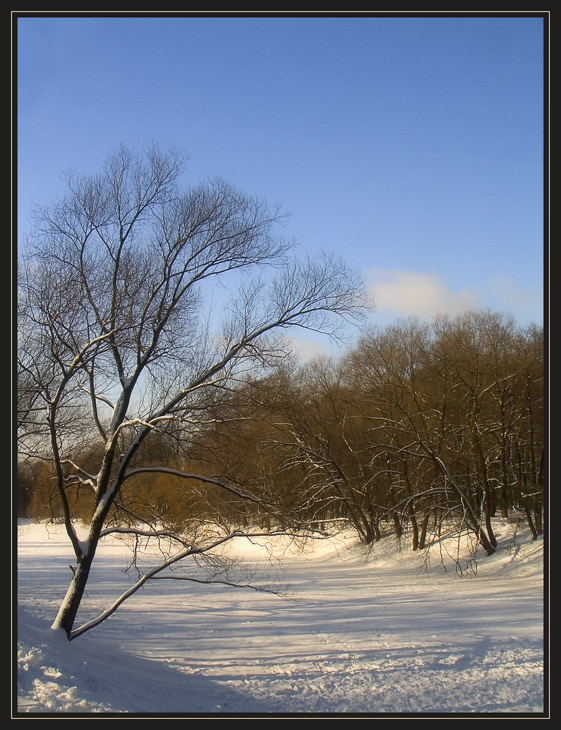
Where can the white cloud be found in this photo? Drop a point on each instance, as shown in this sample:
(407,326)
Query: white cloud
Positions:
(423,294)
(306,348)
(513,297)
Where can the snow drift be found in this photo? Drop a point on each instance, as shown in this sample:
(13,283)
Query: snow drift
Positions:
(379,631)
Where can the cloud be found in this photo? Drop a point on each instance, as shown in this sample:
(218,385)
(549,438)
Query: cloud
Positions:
(423,294)
(513,296)
(307,349)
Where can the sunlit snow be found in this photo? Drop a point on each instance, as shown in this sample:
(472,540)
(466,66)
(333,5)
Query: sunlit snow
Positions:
(357,631)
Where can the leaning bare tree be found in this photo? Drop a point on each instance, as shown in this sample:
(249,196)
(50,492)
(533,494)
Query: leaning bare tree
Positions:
(118,342)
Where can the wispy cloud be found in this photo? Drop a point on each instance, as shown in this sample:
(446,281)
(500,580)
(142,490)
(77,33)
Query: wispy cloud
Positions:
(514,297)
(402,293)
(424,294)
(308,348)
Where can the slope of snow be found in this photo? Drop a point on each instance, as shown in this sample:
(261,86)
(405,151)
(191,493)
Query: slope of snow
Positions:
(362,632)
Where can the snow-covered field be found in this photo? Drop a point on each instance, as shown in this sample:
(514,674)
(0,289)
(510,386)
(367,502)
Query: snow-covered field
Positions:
(358,632)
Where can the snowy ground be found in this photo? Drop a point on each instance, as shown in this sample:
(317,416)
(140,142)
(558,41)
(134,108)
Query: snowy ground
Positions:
(358,633)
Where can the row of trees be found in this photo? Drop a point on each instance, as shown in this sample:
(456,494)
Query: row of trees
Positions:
(141,413)
(419,425)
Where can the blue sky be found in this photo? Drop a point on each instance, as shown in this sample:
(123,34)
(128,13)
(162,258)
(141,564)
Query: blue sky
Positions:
(413,147)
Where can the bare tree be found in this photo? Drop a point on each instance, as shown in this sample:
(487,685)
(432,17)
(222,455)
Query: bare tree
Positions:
(319,437)
(411,416)
(119,339)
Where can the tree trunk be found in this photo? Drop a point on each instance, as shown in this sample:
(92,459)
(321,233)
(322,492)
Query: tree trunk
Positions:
(489,511)
(424,527)
(397,524)
(68,610)
(69,607)
(470,511)
(415,528)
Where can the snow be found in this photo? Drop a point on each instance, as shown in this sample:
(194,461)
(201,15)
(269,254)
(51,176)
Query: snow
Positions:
(377,632)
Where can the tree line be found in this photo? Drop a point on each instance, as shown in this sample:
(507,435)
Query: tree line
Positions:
(419,426)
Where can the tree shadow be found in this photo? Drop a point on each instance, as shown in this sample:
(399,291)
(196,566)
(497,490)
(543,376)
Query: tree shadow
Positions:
(94,675)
